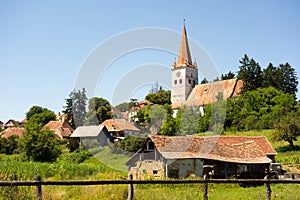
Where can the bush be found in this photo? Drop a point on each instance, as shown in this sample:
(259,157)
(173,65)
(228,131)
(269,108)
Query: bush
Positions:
(74,157)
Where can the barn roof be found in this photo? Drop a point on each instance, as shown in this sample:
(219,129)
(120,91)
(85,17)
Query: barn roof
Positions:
(237,149)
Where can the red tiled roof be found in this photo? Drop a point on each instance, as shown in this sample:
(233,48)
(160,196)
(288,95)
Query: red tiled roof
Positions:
(13,131)
(61,128)
(12,123)
(118,125)
(237,149)
(205,94)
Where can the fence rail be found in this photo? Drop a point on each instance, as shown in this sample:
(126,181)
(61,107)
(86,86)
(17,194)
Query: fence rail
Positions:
(39,183)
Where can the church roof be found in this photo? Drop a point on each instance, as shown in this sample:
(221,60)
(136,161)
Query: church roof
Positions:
(205,94)
(184,56)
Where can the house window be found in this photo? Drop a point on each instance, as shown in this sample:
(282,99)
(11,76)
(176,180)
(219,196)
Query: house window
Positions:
(180,81)
(155,172)
(175,82)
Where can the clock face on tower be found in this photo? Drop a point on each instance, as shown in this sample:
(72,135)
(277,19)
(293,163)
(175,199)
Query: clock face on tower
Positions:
(178,74)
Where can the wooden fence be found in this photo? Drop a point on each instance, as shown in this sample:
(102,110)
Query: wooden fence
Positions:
(39,183)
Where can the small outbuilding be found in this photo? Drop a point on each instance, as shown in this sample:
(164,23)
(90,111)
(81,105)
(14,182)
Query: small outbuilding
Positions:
(92,136)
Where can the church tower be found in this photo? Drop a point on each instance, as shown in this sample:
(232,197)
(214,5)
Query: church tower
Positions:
(184,72)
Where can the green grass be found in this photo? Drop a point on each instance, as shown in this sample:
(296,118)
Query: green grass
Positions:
(114,161)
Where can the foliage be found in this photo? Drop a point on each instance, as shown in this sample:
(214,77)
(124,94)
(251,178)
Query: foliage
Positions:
(288,129)
(289,83)
(130,143)
(258,109)
(74,157)
(40,145)
(162,97)
(9,145)
(40,115)
(75,108)
(229,75)
(251,74)
(188,120)
(169,126)
(123,107)
(204,81)
(99,111)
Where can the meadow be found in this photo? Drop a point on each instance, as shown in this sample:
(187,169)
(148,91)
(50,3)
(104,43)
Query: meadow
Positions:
(112,166)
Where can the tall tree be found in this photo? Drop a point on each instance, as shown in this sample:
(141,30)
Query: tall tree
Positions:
(75,108)
(250,72)
(289,83)
(272,76)
(229,75)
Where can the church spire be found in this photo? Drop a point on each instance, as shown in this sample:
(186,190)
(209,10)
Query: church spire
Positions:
(184,57)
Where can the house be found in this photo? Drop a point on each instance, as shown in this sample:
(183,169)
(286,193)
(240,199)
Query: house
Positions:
(182,156)
(12,131)
(12,123)
(61,128)
(120,128)
(92,136)
(185,89)
(134,109)
(1,125)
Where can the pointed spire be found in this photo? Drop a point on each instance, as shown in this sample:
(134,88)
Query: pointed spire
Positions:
(184,56)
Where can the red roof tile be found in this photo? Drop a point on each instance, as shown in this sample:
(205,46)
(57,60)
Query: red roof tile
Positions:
(13,131)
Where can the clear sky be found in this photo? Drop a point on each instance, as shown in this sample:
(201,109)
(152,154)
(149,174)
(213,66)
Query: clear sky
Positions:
(43,44)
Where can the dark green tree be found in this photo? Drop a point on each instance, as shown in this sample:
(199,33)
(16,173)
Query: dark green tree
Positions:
(40,144)
(169,126)
(289,83)
(272,77)
(75,108)
(40,115)
(204,81)
(250,72)
(229,75)
(99,111)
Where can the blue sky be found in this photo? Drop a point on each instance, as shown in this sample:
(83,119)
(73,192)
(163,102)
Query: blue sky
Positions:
(43,44)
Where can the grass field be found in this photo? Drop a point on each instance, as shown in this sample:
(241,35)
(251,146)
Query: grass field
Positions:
(112,166)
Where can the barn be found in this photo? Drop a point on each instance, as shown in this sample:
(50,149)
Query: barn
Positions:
(183,156)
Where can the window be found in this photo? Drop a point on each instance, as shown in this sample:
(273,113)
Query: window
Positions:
(190,82)
(155,172)
(194,82)
(180,81)
(173,173)
(175,82)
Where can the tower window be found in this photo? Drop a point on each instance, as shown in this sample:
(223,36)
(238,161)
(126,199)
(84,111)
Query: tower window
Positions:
(190,82)
(194,82)
(180,81)
(175,82)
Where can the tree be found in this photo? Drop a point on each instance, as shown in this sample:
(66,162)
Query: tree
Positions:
(288,129)
(251,74)
(289,83)
(123,107)
(272,77)
(229,75)
(188,120)
(9,145)
(40,115)
(75,108)
(169,126)
(162,97)
(39,144)
(99,111)
(204,81)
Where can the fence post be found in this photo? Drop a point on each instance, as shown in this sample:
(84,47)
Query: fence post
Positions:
(268,189)
(205,187)
(130,188)
(38,188)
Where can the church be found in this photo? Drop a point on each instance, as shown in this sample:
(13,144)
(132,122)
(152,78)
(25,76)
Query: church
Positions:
(185,87)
